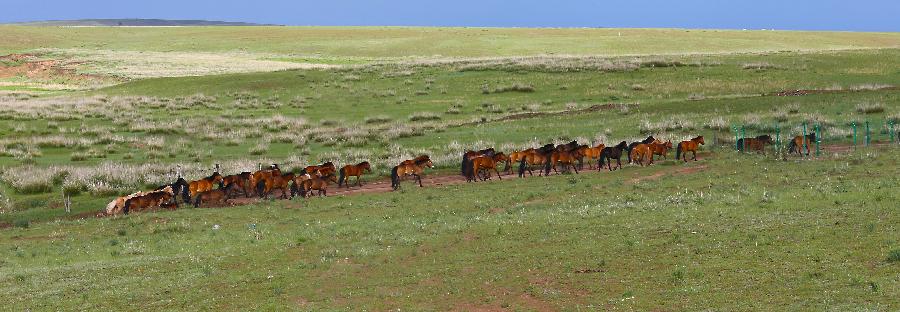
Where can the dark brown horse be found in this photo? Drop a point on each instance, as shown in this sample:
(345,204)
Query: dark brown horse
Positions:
(689,146)
(610,153)
(217,197)
(565,157)
(410,167)
(757,144)
(241,182)
(353,171)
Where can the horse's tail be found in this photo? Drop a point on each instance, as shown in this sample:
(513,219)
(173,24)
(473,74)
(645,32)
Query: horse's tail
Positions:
(792,146)
(678,150)
(395,178)
(197,202)
(507,167)
(548,163)
(628,149)
(740,144)
(127,206)
(522,165)
(341,177)
(261,188)
(462,168)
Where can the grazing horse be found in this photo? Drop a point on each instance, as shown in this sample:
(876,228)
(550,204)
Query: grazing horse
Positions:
(592,154)
(410,167)
(180,186)
(648,140)
(469,155)
(610,153)
(204,184)
(353,171)
(322,170)
(319,184)
(269,184)
(566,158)
(150,200)
(535,157)
(798,143)
(486,163)
(218,196)
(660,148)
(241,182)
(641,152)
(754,144)
(689,146)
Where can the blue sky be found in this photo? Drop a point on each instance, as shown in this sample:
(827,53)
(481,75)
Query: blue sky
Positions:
(854,15)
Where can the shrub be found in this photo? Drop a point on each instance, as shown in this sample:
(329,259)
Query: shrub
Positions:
(259,149)
(424,116)
(759,66)
(378,119)
(517,87)
(453,111)
(637,87)
(22,223)
(894,256)
(869,108)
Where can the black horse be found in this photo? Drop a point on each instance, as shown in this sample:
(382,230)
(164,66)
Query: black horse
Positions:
(180,186)
(610,153)
(631,146)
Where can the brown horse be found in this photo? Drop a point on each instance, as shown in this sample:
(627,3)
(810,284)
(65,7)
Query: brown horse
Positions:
(241,182)
(271,183)
(640,153)
(535,157)
(486,163)
(592,154)
(297,184)
(149,200)
(469,155)
(411,167)
(263,174)
(660,148)
(566,158)
(205,184)
(319,184)
(757,144)
(218,196)
(322,170)
(689,146)
(648,140)
(798,143)
(353,171)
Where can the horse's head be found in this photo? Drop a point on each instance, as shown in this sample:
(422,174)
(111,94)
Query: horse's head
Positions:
(622,145)
(649,139)
(216,177)
(501,157)
(168,190)
(365,166)
(699,139)
(669,144)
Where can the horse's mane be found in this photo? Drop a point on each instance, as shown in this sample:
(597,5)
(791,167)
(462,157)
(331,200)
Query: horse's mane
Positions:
(421,159)
(622,145)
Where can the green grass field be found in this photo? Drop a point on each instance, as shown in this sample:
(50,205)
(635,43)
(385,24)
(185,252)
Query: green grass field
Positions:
(730,232)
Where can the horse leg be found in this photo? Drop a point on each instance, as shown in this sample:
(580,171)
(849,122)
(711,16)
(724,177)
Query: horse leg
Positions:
(695,155)
(498,174)
(418,178)
(576,169)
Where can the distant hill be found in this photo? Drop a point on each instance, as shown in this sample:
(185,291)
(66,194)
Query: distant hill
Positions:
(136,22)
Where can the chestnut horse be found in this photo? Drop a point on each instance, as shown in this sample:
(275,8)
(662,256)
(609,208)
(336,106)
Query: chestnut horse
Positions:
(410,167)
(535,157)
(469,155)
(240,181)
(204,184)
(648,140)
(319,184)
(660,148)
(353,171)
(757,144)
(798,143)
(486,163)
(641,152)
(150,200)
(689,146)
(270,183)
(566,158)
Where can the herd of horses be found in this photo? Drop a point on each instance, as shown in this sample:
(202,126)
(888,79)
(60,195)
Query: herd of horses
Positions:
(271,182)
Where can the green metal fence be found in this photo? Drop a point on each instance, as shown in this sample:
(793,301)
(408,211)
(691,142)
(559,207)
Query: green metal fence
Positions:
(853,133)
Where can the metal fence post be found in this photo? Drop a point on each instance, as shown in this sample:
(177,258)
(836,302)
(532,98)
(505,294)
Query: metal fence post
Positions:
(818,132)
(891,126)
(868,134)
(744,136)
(734,129)
(854,133)
(805,140)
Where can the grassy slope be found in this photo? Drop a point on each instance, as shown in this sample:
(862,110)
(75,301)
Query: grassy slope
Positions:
(414,41)
(690,241)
